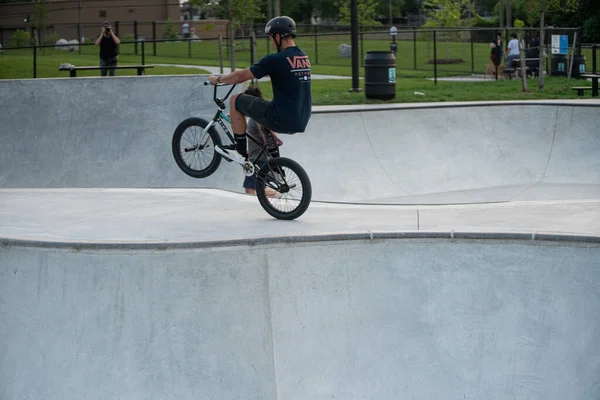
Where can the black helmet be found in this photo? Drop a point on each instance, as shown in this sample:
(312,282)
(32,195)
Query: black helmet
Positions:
(285,26)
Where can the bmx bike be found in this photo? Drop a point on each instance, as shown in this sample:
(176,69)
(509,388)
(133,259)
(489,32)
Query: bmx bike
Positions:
(283,187)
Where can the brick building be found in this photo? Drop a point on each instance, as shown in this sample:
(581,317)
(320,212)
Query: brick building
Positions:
(128,17)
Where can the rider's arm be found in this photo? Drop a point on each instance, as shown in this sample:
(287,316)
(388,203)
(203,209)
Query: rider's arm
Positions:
(237,76)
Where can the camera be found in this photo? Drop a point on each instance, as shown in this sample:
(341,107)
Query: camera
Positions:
(107,29)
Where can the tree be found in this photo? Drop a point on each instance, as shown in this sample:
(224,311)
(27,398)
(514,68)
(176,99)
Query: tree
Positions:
(367,12)
(541,8)
(243,11)
(521,37)
(449,14)
(40,19)
(238,12)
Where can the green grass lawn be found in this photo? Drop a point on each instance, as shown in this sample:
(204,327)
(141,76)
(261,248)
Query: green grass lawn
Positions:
(322,50)
(18,64)
(335,92)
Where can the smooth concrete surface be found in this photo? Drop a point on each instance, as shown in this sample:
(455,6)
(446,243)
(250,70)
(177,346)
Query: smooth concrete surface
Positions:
(378,319)
(189,215)
(452,251)
(117,133)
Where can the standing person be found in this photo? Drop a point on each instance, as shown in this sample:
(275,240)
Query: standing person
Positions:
(496,53)
(512,50)
(289,70)
(109,46)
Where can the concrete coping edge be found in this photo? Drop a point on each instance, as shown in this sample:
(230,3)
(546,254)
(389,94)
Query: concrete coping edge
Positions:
(436,105)
(318,238)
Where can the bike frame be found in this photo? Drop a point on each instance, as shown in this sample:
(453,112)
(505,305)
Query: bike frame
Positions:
(220,118)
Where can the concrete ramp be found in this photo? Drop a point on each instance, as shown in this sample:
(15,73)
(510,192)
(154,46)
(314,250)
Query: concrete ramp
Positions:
(398,316)
(454,154)
(116,133)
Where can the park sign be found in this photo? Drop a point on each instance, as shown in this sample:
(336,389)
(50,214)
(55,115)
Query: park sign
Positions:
(560,44)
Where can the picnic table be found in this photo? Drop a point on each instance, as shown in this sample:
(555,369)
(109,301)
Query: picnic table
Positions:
(594,88)
(73,69)
(516,67)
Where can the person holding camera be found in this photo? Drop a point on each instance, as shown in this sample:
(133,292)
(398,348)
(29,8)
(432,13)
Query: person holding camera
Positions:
(109,44)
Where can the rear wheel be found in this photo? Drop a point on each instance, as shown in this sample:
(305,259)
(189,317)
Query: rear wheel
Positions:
(283,188)
(194,148)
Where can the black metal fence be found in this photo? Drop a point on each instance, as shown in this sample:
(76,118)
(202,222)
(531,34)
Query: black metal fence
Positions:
(418,51)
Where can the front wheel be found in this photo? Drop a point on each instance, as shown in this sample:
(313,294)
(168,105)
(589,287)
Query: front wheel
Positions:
(194,148)
(283,188)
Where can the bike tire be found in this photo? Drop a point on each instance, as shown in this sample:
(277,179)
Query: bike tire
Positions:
(182,161)
(290,174)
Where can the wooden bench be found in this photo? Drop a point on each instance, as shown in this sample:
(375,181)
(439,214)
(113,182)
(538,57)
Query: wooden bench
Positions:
(581,89)
(73,70)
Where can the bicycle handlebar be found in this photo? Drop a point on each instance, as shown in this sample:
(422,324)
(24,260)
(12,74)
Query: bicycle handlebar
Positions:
(217,100)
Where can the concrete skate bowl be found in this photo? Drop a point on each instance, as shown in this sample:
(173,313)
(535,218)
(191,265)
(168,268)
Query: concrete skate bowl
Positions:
(374,317)
(82,133)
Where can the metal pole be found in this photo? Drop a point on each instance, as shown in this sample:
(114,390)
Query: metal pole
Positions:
(221,53)
(189,40)
(154,36)
(434,57)
(594,58)
(472,54)
(316,44)
(362,49)
(231,37)
(415,46)
(135,35)
(35,61)
(2,36)
(253,48)
(391,17)
(354,44)
(79,21)
(143,54)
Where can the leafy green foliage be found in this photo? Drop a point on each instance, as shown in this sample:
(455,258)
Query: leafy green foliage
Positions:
(20,38)
(170,32)
(449,13)
(367,12)
(243,11)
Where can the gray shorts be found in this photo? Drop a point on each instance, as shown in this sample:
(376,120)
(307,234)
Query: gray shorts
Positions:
(261,111)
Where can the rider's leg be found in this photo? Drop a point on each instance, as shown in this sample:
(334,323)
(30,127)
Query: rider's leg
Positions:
(238,120)
(239,126)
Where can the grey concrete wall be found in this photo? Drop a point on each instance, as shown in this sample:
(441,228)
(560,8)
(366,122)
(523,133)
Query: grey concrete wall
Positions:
(375,320)
(89,132)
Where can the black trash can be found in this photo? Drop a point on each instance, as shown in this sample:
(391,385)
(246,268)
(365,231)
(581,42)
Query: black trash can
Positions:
(380,75)
(558,65)
(578,66)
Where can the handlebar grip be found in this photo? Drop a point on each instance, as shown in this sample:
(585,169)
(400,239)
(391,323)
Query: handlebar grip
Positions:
(207,83)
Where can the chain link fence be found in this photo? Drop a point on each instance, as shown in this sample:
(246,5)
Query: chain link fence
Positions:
(440,51)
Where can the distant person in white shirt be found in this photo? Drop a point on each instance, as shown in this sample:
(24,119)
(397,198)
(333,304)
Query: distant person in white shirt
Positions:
(512,50)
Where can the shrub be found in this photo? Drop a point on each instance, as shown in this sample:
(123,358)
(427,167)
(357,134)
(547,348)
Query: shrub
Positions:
(51,38)
(20,38)
(169,31)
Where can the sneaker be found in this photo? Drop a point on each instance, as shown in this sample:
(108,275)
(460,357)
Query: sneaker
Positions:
(230,153)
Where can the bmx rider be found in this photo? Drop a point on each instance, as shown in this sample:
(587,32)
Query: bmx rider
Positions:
(289,71)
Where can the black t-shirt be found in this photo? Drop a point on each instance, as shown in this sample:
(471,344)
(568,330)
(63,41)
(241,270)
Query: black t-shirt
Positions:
(289,71)
(108,48)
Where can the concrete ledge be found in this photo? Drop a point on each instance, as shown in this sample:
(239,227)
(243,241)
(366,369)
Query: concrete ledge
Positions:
(452,104)
(261,241)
